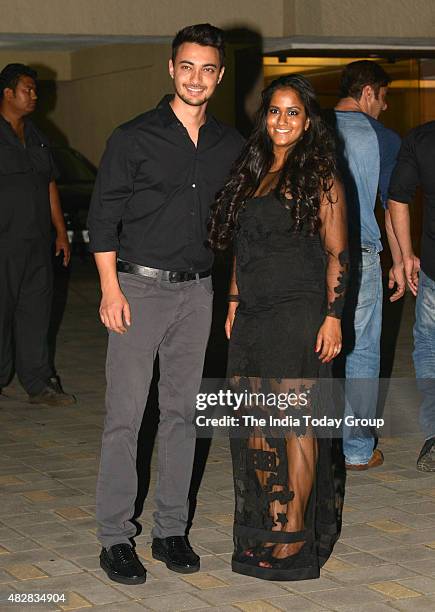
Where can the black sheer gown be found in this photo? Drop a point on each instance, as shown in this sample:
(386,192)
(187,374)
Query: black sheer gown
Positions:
(289,482)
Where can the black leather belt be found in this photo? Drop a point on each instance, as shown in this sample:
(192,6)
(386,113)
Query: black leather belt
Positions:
(165,275)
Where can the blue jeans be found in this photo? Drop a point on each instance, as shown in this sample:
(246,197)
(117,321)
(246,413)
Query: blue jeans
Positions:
(362,336)
(424,351)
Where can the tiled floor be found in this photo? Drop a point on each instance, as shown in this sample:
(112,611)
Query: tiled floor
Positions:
(385,559)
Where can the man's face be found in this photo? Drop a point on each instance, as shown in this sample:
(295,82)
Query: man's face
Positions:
(196,72)
(23,99)
(376,104)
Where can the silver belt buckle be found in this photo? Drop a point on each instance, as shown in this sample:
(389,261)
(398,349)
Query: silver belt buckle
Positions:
(150,272)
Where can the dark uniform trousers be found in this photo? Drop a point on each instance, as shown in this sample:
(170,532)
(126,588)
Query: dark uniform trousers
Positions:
(25,303)
(25,259)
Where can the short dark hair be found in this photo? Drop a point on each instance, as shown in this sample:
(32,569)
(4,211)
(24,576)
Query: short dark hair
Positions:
(357,75)
(202,34)
(10,75)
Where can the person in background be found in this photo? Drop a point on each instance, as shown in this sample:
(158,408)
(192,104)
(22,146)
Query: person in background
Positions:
(367,154)
(29,206)
(416,168)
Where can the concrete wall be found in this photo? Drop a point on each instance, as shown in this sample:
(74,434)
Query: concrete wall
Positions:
(109,85)
(272,18)
(137,17)
(358,18)
(50,64)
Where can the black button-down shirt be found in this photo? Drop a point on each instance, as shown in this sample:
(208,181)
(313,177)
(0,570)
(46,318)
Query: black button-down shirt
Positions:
(154,189)
(25,173)
(416,167)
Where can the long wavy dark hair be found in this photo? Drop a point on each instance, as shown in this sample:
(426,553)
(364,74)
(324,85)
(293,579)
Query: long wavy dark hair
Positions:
(307,173)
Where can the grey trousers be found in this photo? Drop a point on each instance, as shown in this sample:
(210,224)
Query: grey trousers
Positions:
(173,320)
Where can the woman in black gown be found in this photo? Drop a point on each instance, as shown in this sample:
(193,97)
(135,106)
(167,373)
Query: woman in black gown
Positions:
(284,210)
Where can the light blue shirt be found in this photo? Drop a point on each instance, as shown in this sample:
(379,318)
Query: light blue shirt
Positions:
(367,156)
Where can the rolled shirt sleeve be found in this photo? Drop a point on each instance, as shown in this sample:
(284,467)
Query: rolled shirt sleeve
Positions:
(113,188)
(405,176)
(389,149)
(54,172)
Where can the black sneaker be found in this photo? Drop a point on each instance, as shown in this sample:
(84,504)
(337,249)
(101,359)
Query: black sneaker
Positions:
(426,459)
(121,564)
(177,553)
(52,395)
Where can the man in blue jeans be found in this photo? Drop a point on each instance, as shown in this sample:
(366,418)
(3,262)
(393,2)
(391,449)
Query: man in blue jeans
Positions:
(367,154)
(415,167)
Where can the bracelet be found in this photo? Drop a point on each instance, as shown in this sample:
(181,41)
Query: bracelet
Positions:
(232,297)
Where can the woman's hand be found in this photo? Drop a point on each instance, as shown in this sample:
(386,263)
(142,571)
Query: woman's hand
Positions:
(329,339)
(232,307)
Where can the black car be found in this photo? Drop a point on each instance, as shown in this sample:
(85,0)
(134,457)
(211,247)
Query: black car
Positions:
(75,181)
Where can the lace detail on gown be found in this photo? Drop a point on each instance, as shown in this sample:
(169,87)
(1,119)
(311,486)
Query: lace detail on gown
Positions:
(333,231)
(289,482)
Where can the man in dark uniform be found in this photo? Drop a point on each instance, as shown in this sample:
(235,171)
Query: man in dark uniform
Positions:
(158,177)
(29,204)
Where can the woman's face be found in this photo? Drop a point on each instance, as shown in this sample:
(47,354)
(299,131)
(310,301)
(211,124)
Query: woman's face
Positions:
(286,119)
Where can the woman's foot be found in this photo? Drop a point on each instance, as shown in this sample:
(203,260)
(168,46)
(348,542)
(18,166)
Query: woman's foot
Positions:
(280,552)
(261,550)
(286,549)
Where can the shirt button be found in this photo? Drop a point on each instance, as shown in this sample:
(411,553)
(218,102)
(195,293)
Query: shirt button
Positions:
(192,212)
(193,185)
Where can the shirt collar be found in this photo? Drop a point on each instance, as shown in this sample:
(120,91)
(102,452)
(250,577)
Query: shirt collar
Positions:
(7,128)
(168,117)
(26,120)
(5,123)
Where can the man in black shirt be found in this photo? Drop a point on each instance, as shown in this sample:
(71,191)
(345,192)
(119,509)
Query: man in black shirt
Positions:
(29,205)
(416,167)
(158,177)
